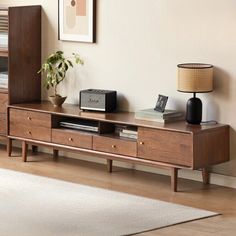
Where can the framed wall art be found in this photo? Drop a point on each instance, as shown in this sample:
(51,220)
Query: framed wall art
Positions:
(76,20)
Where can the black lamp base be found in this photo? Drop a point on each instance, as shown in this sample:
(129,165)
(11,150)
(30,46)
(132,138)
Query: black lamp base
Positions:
(194,111)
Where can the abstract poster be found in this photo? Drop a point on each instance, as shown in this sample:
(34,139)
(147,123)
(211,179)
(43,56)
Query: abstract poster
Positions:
(77,20)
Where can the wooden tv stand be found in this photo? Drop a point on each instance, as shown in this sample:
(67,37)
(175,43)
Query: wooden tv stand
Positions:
(174,145)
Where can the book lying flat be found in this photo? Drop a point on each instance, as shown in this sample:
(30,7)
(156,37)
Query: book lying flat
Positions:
(80,125)
(3,75)
(151,113)
(161,120)
(128,131)
(3,37)
(131,136)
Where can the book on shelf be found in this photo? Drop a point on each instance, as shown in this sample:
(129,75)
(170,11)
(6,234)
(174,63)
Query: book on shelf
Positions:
(126,131)
(4,80)
(131,136)
(3,37)
(130,130)
(80,125)
(3,14)
(4,75)
(161,120)
(165,117)
(3,30)
(156,114)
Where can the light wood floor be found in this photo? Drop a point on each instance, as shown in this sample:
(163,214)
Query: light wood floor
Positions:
(195,194)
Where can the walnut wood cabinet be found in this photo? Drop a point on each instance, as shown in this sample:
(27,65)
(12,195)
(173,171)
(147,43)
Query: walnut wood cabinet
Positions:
(20,57)
(175,145)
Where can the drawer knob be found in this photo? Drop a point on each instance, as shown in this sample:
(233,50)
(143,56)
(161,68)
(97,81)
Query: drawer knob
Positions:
(113,146)
(29,132)
(141,143)
(71,139)
(29,118)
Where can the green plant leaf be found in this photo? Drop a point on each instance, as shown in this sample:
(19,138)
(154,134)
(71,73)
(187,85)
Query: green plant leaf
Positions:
(56,66)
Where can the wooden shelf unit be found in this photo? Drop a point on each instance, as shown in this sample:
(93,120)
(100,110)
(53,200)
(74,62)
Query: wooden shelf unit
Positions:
(3,52)
(174,145)
(23,56)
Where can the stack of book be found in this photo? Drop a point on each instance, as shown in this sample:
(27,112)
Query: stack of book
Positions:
(127,131)
(3,40)
(3,29)
(3,80)
(162,117)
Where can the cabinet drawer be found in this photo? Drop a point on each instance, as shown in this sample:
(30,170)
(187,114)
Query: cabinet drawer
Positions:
(3,123)
(3,102)
(116,146)
(29,118)
(165,146)
(72,138)
(31,132)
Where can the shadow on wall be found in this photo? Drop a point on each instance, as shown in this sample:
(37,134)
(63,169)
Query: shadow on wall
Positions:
(211,111)
(221,84)
(49,32)
(48,46)
(221,91)
(228,168)
(176,104)
(122,103)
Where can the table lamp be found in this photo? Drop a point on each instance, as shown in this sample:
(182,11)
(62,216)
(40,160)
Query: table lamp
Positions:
(195,78)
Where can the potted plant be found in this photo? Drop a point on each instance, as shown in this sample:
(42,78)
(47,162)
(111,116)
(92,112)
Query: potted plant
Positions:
(55,68)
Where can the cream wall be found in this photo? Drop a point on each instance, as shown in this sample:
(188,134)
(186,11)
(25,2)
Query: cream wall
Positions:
(139,44)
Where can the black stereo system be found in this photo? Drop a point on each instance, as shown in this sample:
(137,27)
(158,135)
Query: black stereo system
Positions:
(98,100)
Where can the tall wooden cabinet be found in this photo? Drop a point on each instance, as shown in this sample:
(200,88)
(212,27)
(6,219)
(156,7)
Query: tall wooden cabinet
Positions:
(20,57)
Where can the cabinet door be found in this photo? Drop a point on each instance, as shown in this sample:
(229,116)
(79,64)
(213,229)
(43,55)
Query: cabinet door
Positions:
(30,124)
(165,146)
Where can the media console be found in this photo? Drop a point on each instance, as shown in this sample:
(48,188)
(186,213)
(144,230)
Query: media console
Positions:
(174,145)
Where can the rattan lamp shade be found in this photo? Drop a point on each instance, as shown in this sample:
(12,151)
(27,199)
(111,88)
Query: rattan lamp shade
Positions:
(195,78)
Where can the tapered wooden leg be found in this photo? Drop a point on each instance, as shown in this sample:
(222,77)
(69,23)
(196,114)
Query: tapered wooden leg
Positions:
(24,151)
(174,179)
(9,146)
(205,176)
(34,149)
(109,165)
(55,154)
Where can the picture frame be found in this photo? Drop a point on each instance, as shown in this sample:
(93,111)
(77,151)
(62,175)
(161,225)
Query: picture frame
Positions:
(161,103)
(77,20)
